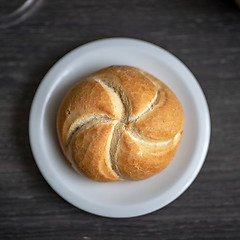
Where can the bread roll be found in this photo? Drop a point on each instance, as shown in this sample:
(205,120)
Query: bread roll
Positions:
(120,123)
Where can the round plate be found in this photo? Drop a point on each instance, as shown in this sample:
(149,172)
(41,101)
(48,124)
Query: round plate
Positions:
(126,198)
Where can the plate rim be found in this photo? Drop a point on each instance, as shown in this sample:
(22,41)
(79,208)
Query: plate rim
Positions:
(91,46)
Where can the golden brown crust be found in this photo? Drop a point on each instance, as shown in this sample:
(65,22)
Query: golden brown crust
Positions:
(139,90)
(90,152)
(165,121)
(120,123)
(138,161)
(84,99)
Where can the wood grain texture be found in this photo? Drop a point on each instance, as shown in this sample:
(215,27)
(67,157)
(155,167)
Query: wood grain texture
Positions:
(205,35)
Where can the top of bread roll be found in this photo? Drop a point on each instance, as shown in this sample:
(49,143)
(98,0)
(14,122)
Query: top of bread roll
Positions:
(120,123)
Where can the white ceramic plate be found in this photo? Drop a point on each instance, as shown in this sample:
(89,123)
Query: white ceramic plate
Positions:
(120,199)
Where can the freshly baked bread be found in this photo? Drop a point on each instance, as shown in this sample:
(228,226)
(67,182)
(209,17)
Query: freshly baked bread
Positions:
(120,123)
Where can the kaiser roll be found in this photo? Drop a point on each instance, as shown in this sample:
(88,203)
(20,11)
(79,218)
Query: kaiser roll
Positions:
(120,123)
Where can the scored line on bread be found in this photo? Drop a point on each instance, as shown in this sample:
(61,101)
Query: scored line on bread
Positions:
(110,125)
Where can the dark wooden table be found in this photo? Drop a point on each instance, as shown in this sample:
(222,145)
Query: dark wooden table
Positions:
(204,34)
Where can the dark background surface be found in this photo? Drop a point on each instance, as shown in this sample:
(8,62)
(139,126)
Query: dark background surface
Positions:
(204,34)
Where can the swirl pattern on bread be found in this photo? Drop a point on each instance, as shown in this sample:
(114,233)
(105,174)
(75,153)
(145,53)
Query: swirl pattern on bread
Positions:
(120,123)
